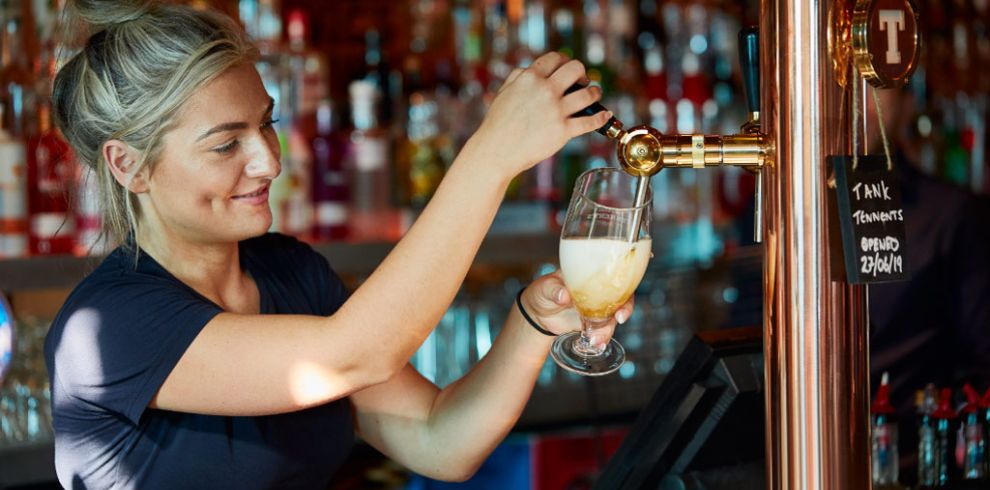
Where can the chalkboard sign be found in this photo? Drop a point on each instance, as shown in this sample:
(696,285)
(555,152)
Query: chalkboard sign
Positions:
(870,217)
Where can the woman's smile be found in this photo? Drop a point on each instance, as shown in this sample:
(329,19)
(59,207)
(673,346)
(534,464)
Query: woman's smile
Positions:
(259,196)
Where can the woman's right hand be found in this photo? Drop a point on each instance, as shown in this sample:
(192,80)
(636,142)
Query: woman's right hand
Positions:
(529,120)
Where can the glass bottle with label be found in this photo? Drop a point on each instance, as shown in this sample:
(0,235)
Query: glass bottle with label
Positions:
(331,195)
(928,447)
(973,434)
(13,195)
(16,80)
(90,239)
(419,161)
(49,170)
(883,437)
(371,215)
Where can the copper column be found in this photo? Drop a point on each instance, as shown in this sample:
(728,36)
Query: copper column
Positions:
(815,330)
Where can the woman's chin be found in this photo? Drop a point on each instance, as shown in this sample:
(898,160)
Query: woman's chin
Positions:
(256,227)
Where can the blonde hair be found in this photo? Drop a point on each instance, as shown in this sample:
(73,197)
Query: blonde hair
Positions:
(141,62)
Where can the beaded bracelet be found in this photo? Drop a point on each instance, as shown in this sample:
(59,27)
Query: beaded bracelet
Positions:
(528,318)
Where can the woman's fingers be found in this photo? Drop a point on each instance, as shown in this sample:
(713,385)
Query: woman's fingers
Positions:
(550,295)
(569,73)
(513,75)
(625,311)
(548,64)
(579,99)
(601,336)
(577,126)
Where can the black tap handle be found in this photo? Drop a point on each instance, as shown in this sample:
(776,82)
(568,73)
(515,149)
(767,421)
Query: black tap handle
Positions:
(591,110)
(749,61)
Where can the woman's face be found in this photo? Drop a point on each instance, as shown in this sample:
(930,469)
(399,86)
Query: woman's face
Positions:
(211,183)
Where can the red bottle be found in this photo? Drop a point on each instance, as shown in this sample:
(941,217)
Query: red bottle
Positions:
(331,191)
(50,166)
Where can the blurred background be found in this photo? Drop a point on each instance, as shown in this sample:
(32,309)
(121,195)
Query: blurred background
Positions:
(374,98)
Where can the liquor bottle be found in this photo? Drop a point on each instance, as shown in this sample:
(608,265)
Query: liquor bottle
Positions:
(928,447)
(13,195)
(90,239)
(655,85)
(308,68)
(377,72)
(49,171)
(16,80)
(533,30)
(598,71)
(497,39)
(331,195)
(419,162)
(371,215)
(471,95)
(262,22)
(884,437)
(564,36)
(974,437)
(944,417)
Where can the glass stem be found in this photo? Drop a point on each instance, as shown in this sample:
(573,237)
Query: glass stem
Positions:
(586,345)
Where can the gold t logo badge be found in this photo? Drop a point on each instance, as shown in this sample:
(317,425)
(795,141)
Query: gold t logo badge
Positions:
(892,21)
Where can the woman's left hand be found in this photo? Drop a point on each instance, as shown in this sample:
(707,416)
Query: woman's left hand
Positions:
(549,304)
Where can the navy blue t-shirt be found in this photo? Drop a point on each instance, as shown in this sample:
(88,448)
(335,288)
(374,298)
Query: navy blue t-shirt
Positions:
(117,338)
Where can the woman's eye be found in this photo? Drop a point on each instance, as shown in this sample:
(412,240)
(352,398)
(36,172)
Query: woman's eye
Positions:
(229,147)
(269,123)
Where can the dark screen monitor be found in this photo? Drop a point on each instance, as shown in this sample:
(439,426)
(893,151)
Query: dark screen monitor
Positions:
(704,426)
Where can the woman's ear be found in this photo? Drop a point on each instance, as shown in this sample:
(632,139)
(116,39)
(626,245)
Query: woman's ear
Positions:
(123,161)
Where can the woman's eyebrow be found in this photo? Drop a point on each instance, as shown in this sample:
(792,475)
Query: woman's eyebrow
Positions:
(232,126)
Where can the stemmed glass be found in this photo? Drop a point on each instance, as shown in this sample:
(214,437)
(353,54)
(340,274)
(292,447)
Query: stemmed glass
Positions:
(605,247)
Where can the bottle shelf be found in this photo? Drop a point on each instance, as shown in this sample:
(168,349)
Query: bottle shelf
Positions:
(55,272)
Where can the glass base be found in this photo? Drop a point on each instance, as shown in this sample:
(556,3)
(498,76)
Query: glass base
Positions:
(566,352)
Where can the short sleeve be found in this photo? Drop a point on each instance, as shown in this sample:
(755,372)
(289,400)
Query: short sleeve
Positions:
(333,291)
(300,270)
(115,343)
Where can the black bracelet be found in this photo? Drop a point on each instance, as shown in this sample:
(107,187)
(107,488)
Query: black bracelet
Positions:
(527,317)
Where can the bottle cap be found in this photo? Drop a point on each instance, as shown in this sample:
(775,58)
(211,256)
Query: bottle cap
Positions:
(972,399)
(944,410)
(881,403)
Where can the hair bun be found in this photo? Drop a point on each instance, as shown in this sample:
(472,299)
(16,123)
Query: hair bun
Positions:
(100,15)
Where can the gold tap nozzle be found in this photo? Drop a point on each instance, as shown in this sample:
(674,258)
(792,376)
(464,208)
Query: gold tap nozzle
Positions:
(643,151)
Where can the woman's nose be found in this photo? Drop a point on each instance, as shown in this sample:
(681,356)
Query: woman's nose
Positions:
(264,162)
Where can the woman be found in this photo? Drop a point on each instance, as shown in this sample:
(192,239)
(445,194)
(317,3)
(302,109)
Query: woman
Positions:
(207,353)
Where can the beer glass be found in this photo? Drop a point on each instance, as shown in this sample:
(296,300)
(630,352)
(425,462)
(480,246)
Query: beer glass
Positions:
(605,247)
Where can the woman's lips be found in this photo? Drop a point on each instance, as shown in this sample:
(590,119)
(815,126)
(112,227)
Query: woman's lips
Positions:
(257,197)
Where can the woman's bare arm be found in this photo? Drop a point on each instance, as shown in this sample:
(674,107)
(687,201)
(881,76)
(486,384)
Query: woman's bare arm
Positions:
(263,364)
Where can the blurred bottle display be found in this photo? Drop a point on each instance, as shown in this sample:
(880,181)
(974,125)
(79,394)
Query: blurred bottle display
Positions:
(951,95)
(50,171)
(668,64)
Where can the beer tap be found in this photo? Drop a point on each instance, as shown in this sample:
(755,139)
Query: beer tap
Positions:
(643,151)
